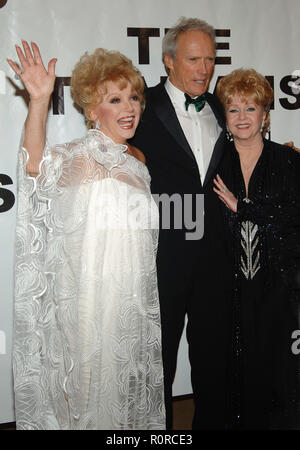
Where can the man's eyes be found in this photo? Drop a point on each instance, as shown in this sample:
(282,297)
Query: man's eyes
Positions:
(210,59)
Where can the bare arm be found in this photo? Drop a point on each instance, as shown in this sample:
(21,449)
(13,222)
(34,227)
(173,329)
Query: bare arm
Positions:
(39,83)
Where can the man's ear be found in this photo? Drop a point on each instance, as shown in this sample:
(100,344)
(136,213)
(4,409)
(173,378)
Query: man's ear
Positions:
(168,62)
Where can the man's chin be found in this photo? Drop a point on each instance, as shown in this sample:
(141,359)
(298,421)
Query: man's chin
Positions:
(198,90)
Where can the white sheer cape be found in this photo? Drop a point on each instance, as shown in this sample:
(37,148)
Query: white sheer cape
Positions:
(87,338)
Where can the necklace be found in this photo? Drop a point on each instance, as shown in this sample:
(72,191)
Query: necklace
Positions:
(251,164)
(246,168)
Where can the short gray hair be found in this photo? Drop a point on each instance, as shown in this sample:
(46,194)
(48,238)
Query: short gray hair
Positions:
(169,44)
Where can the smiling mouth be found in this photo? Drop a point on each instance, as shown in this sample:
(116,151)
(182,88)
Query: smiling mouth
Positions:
(241,127)
(127,122)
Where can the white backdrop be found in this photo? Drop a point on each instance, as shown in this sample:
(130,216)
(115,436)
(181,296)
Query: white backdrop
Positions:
(260,34)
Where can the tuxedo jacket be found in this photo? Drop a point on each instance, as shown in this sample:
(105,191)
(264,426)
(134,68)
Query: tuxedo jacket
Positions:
(174,170)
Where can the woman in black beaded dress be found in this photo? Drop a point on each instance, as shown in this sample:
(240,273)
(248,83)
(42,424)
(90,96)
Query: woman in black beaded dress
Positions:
(259,183)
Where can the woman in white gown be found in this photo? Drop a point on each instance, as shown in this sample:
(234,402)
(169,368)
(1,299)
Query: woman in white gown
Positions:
(87,346)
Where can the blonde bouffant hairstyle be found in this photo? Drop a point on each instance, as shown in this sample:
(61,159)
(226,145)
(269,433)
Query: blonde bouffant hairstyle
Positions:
(247,83)
(92,72)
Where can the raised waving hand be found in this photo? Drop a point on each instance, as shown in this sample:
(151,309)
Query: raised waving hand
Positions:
(38,81)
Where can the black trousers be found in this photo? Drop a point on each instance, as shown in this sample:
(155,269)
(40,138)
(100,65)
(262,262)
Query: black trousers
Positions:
(208,308)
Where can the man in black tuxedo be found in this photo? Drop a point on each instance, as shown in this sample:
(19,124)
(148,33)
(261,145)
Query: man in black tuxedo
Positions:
(183,144)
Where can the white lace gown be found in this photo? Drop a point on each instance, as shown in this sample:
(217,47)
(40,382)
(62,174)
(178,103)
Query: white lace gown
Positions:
(87,336)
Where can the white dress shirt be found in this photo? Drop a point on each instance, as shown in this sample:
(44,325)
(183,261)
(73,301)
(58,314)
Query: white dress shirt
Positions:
(201,128)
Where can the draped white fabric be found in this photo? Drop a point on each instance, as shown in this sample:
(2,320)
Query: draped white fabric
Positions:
(87,338)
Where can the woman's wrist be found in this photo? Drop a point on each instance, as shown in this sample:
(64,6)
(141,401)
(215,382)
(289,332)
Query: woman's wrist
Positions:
(40,102)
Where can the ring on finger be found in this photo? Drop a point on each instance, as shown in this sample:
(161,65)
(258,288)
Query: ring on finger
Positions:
(224,190)
(18,75)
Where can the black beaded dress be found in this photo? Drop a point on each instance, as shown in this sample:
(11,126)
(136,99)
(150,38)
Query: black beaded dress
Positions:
(265,238)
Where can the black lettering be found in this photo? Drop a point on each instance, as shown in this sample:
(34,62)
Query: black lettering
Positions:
(6,195)
(223,46)
(270,79)
(287,89)
(143,35)
(224,32)
(58,97)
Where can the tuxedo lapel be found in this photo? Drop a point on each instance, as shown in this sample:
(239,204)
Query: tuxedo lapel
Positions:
(217,109)
(215,158)
(220,144)
(164,109)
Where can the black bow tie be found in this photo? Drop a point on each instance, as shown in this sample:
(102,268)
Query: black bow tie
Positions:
(198,102)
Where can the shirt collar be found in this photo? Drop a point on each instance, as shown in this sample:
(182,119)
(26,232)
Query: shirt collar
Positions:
(176,95)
